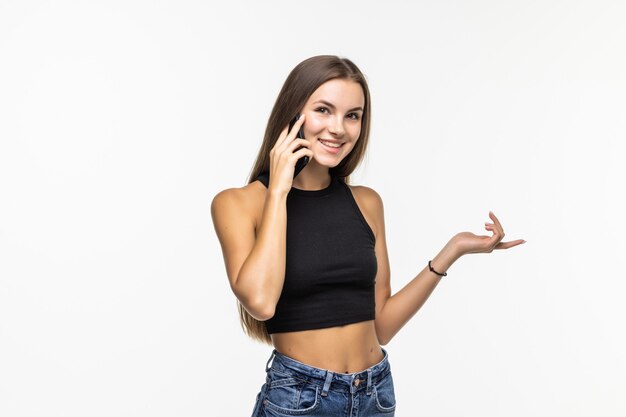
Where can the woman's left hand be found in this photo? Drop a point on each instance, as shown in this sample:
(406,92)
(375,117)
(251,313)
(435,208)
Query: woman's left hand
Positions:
(466,242)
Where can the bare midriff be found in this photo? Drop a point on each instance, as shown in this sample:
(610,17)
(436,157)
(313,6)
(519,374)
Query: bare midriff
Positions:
(343,349)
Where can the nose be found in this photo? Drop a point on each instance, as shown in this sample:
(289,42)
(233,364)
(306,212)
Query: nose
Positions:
(335,127)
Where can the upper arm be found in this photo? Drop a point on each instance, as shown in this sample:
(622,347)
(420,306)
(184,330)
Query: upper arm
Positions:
(235,228)
(373,211)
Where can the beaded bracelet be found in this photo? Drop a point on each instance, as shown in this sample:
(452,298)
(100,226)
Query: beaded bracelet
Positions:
(432,270)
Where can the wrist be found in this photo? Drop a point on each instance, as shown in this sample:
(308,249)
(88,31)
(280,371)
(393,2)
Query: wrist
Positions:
(454,247)
(446,257)
(275,194)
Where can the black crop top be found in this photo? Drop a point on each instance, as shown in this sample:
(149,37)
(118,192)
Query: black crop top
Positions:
(331,267)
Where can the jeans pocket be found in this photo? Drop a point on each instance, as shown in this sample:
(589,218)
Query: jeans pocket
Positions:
(384,394)
(291,396)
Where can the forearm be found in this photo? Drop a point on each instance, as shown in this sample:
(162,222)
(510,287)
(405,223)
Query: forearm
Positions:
(261,277)
(400,307)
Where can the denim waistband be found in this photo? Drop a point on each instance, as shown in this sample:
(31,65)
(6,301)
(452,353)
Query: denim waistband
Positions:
(362,380)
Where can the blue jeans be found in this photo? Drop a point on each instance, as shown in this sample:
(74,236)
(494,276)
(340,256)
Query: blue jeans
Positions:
(293,388)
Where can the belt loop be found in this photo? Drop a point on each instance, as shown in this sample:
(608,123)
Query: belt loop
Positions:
(368,391)
(267,365)
(329,378)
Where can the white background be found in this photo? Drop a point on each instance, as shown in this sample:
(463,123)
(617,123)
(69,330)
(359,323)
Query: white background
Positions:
(120,121)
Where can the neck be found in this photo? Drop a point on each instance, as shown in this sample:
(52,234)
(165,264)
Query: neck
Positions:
(312,177)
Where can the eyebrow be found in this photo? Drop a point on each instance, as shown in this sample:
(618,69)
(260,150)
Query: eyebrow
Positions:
(331,105)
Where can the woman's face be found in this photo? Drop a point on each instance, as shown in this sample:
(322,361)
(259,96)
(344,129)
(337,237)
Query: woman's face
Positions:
(333,120)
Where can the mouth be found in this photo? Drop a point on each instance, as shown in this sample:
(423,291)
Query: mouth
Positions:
(331,145)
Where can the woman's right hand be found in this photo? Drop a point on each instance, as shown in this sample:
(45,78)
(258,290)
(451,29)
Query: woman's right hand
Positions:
(283,158)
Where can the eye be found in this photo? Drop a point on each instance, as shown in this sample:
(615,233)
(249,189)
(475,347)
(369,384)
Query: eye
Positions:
(322,109)
(354,116)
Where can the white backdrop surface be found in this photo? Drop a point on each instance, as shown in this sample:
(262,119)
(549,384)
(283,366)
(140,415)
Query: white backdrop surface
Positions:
(120,120)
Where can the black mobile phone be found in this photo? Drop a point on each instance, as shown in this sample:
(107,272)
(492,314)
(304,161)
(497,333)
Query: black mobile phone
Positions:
(301,163)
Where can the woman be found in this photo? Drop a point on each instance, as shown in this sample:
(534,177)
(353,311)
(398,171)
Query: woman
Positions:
(306,256)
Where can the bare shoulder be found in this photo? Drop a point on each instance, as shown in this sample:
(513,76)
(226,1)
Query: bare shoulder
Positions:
(235,214)
(367,194)
(371,205)
(246,201)
(254,190)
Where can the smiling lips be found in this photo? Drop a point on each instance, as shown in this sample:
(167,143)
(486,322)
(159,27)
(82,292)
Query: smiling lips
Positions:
(331,146)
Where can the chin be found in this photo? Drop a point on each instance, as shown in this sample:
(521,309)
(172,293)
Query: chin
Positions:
(328,162)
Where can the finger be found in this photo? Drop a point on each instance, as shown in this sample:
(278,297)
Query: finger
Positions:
(496,222)
(507,245)
(281,137)
(495,239)
(302,152)
(497,226)
(294,130)
(299,122)
(296,143)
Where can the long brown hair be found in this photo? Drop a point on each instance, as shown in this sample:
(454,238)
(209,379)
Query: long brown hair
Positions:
(301,83)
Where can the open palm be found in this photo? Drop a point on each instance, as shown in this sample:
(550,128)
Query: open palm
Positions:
(467,242)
